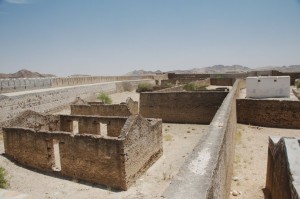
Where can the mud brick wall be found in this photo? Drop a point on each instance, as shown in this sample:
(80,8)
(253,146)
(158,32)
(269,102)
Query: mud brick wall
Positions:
(181,107)
(283,172)
(114,162)
(91,124)
(222,81)
(269,113)
(143,146)
(105,110)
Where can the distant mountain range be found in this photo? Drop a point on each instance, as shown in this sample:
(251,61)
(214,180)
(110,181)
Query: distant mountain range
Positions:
(24,74)
(221,69)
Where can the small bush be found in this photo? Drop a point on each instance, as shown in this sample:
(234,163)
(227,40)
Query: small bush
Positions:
(104,98)
(192,86)
(298,84)
(144,87)
(3,182)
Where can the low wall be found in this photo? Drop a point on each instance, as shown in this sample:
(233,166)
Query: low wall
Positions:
(269,113)
(197,107)
(46,100)
(21,84)
(283,172)
(207,171)
(222,81)
(93,108)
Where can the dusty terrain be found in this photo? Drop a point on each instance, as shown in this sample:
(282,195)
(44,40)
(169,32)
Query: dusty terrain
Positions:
(178,142)
(251,155)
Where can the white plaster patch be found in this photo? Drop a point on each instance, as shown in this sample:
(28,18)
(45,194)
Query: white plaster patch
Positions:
(199,165)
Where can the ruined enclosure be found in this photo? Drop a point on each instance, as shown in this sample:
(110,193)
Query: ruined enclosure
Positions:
(197,107)
(128,108)
(114,158)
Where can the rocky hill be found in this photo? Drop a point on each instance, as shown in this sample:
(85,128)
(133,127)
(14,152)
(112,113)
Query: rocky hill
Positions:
(24,74)
(221,69)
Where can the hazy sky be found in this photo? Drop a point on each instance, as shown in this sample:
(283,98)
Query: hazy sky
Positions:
(112,37)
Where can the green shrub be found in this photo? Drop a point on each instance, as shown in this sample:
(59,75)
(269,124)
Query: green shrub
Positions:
(3,182)
(192,86)
(104,98)
(144,87)
(298,84)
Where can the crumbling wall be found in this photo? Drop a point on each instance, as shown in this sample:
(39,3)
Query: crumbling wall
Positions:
(207,171)
(181,107)
(91,124)
(283,171)
(143,146)
(98,108)
(269,113)
(84,157)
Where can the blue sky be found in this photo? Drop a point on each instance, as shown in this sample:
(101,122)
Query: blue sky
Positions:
(113,37)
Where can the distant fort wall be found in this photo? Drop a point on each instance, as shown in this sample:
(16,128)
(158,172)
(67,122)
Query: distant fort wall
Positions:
(52,99)
(22,84)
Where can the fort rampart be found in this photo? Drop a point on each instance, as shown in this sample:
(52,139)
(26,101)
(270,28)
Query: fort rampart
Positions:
(46,100)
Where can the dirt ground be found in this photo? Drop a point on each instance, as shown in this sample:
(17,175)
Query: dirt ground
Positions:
(178,142)
(251,155)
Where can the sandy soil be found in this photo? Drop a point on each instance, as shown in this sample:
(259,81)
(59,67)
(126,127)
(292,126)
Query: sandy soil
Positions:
(178,142)
(251,154)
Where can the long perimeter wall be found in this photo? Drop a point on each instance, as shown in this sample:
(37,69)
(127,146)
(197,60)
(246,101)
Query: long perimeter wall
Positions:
(20,84)
(269,113)
(46,100)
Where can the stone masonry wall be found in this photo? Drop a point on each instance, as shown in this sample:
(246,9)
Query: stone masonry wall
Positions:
(93,108)
(112,161)
(84,157)
(283,172)
(269,113)
(222,81)
(12,104)
(181,107)
(207,172)
(21,84)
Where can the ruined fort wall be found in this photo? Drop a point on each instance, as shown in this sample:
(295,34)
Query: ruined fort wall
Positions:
(84,157)
(269,113)
(208,170)
(103,110)
(283,171)
(143,146)
(21,84)
(181,107)
(91,124)
(50,99)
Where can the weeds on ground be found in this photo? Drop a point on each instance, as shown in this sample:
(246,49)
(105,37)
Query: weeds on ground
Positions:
(3,181)
(104,97)
(192,86)
(167,137)
(144,87)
